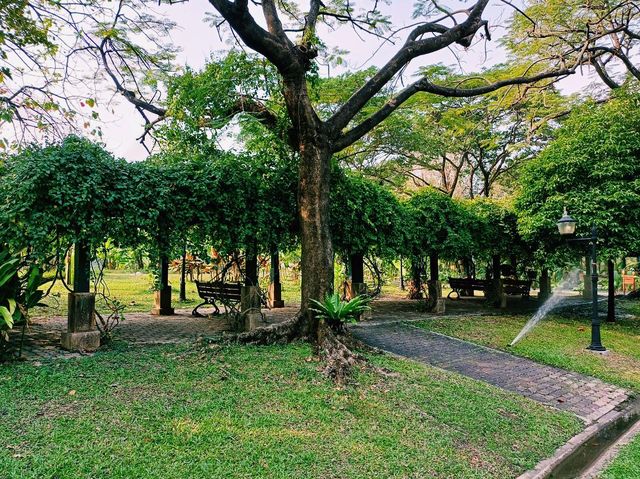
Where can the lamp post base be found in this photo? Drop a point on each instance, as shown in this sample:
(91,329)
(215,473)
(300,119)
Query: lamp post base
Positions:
(599,348)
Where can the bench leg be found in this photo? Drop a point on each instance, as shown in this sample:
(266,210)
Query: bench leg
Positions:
(200,315)
(195,311)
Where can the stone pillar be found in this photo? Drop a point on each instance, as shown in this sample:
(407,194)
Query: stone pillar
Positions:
(357,285)
(435,301)
(586,291)
(545,285)
(162,298)
(275,287)
(250,309)
(415,288)
(496,296)
(81,334)
(467,264)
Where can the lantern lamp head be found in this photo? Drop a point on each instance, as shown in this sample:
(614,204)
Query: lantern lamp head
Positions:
(566,224)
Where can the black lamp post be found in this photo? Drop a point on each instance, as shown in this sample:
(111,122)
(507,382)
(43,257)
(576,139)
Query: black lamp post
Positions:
(567,227)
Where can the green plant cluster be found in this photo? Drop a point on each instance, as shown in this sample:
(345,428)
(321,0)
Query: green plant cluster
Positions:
(19,292)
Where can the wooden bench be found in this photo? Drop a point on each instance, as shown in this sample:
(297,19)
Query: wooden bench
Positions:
(227,294)
(467,284)
(511,286)
(517,286)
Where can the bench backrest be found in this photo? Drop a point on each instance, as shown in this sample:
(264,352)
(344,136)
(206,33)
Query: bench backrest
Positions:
(469,283)
(219,289)
(517,282)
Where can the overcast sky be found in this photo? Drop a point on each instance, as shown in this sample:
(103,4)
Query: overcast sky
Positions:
(198,40)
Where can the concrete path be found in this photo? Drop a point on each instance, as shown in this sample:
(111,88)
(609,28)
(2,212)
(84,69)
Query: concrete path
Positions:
(588,398)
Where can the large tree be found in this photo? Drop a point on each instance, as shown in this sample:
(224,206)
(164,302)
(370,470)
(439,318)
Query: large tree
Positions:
(292,50)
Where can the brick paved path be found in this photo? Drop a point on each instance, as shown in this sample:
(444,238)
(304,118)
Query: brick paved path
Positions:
(587,397)
(42,338)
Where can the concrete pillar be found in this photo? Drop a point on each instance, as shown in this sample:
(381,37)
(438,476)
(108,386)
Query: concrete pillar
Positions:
(467,265)
(251,267)
(496,296)
(275,287)
(81,334)
(162,298)
(357,285)
(415,288)
(250,309)
(545,285)
(435,301)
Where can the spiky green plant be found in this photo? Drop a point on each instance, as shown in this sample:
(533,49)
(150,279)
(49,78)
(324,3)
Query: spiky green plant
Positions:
(336,312)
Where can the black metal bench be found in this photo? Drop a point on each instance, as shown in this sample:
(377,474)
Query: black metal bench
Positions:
(227,294)
(517,286)
(458,285)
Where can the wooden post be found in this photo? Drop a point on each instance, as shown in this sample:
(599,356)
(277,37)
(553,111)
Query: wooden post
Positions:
(435,302)
(401,275)
(81,268)
(415,289)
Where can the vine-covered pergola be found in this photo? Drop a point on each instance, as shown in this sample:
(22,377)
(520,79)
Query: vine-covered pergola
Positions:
(74,193)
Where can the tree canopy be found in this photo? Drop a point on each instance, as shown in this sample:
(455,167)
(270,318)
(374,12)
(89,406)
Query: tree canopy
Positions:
(593,169)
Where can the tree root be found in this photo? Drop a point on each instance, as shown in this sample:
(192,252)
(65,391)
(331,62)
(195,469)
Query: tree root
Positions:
(280,333)
(335,349)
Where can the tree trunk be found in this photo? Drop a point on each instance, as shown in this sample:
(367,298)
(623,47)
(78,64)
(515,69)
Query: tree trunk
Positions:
(309,137)
(611,297)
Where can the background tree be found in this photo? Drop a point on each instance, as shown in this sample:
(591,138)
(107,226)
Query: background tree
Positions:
(602,34)
(592,168)
(437,227)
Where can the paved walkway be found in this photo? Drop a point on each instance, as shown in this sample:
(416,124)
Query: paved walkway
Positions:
(42,338)
(587,397)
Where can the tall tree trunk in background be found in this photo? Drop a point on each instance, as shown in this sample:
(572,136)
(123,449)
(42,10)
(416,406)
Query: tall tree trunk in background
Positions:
(611,297)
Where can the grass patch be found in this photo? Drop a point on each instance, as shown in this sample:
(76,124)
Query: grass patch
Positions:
(627,464)
(134,291)
(561,342)
(172,412)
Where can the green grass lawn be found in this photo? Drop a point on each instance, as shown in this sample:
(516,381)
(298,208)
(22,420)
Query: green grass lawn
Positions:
(174,412)
(561,341)
(134,291)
